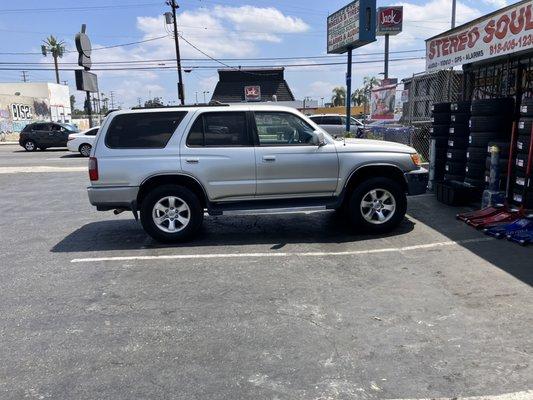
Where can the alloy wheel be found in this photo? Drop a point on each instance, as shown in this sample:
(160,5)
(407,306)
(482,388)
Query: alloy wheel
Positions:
(171,214)
(378,206)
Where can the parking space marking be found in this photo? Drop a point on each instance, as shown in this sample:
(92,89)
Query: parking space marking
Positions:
(283,254)
(523,395)
(40,168)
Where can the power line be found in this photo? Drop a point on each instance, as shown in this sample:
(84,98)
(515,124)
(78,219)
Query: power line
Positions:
(74,9)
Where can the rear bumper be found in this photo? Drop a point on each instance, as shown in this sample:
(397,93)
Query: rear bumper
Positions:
(417,181)
(108,198)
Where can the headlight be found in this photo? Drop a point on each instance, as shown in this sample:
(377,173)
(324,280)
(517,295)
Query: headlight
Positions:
(416,159)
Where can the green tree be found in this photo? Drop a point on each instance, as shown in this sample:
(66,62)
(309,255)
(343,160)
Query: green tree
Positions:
(56,48)
(155,102)
(359,97)
(72,102)
(338,97)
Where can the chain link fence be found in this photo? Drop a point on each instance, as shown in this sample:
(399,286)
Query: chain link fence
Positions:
(423,90)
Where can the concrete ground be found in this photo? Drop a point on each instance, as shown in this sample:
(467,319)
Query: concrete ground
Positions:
(273,306)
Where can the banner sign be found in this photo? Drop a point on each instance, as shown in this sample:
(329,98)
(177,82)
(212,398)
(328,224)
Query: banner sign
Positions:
(252,93)
(383,102)
(352,26)
(390,20)
(507,31)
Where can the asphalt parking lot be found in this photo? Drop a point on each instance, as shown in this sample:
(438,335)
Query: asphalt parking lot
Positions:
(272,306)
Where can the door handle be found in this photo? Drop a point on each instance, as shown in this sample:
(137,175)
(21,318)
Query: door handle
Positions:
(269,158)
(192,160)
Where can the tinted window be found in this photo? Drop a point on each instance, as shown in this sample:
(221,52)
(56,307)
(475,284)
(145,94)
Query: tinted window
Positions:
(316,120)
(142,130)
(331,120)
(282,129)
(91,132)
(219,129)
(40,127)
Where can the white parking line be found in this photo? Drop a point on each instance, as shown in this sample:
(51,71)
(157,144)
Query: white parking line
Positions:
(524,395)
(285,254)
(38,169)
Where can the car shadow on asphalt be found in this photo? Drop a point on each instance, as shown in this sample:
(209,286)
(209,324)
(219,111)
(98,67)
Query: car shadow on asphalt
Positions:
(228,230)
(509,257)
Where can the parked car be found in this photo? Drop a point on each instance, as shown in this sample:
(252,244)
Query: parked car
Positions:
(43,135)
(335,124)
(389,130)
(173,164)
(82,142)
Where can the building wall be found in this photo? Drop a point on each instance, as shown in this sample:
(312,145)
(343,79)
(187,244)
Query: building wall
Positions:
(356,110)
(18,111)
(58,96)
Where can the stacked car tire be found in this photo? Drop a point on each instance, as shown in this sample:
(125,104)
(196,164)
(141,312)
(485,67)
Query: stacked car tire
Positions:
(457,141)
(522,186)
(440,131)
(490,121)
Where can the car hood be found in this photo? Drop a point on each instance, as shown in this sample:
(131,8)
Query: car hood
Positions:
(366,145)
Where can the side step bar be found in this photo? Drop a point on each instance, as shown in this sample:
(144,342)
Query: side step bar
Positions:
(327,202)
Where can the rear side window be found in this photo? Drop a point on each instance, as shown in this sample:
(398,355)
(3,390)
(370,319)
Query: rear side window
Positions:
(225,129)
(150,130)
(316,120)
(331,120)
(91,132)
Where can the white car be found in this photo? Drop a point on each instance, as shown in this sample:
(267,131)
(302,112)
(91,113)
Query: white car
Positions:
(82,142)
(335,124)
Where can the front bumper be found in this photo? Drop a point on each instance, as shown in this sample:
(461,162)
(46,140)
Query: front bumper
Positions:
(417,181)
(108,198)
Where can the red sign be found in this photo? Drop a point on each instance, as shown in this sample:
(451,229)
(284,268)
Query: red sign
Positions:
(252,93)
(505,32)
(390,20)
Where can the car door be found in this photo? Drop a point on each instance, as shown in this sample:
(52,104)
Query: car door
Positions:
(218,150)
(41,134)
(288,162)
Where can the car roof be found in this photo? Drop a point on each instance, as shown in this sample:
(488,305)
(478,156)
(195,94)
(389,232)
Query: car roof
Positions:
(216,108)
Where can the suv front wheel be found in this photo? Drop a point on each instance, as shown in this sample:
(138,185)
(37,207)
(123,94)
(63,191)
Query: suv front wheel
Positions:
(171,213)
(377,205)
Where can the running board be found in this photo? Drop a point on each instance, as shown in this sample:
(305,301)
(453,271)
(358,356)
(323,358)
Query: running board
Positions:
(327,202)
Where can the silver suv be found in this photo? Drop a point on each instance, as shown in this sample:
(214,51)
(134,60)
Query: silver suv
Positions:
(171,165)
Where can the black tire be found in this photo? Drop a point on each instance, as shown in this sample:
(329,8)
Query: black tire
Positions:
(524,126)
(460,118)
(456,155)
(499,124)
(441,142)
(30,145)
(526,197)
(458,142)
(522,144)
(453,177)
(440,118)
(526,108)
(474,154)
(361,191)
(440,108)
(501,106)
(455,168)
(482,139)
(462,107)
(475,171)
(85,149)
(196,213)
(520,180)
(440,131)
(459,130)
(478,183)
(521,161)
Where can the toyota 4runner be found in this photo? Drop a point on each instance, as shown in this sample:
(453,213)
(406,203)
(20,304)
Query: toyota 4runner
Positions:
(171,165)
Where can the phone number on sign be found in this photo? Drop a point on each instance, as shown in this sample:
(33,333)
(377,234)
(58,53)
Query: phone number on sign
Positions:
(524,41)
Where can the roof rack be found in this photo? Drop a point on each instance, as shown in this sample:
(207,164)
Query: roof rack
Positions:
(210,104)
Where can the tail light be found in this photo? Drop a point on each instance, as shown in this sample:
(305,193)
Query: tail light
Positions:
(93,169)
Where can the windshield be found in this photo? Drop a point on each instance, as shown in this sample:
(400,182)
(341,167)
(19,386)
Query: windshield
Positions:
(70,127)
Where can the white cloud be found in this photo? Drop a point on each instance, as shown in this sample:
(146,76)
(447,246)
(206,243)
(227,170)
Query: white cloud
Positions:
(497,3)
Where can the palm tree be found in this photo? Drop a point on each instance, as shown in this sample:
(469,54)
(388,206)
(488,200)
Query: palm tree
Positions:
(369,82)
(359,97)
(57,48)
(339,96)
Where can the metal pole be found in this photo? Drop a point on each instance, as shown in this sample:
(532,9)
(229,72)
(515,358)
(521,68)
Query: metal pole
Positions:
(348,90)
(454,6)
(181,94)
(387,56)
(89,109)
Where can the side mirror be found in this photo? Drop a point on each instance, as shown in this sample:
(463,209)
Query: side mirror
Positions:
(321,141)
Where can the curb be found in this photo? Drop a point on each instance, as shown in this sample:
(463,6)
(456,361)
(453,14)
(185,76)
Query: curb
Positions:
(9,143)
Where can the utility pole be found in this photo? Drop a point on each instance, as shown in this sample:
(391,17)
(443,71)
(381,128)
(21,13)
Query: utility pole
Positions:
(348,90)
(112,95)
(453,13)
(175,6)
(386,72)
(25,76)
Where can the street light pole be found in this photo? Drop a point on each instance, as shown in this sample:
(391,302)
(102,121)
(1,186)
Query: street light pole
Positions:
(454,7)
(181,94)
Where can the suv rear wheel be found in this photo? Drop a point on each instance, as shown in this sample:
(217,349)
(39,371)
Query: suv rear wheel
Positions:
(171,213)
(377,205)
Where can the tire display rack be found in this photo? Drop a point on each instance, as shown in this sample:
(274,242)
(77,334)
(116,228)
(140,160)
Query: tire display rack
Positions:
(440,132)
(521,185)
(457,141)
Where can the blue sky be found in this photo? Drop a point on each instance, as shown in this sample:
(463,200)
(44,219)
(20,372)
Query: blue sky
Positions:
(222,29)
